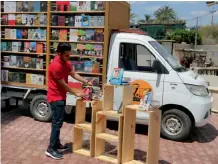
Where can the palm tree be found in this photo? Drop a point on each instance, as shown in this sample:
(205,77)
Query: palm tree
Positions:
(165,15)
(133,16)
(147,18)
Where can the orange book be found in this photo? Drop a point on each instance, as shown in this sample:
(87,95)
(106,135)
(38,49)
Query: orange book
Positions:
(39,48)
(96,67)
(28,78)
(63,34)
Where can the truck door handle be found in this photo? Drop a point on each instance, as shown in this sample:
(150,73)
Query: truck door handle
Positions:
(173,84)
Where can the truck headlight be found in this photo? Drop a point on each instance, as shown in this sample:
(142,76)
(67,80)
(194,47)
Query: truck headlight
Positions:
(197,90)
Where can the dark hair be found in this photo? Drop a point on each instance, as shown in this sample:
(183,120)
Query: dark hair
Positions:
(62,47)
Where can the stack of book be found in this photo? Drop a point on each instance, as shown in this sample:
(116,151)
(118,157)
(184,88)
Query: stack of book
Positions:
(86,66)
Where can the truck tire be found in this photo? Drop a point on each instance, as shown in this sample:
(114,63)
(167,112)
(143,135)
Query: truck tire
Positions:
(175,125)
(40,108)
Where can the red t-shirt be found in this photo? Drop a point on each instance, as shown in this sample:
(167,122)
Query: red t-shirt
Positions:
(57,70)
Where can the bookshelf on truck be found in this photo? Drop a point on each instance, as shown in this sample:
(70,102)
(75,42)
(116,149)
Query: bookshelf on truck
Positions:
(99,34)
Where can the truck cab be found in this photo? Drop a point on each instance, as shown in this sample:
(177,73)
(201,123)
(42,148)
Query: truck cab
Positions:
(184,98)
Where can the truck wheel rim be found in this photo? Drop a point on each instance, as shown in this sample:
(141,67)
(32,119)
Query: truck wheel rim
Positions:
(172,124)
(42,109)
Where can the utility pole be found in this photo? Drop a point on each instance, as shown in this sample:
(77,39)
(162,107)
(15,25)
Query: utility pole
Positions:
(212,11)
(196,33)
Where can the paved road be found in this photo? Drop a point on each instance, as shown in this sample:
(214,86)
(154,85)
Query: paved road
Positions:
(24,141)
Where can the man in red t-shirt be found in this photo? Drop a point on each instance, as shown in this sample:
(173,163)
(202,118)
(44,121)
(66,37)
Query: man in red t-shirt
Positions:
(58,72)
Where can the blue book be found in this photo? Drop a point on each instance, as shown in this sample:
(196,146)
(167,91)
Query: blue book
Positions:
(36,6)
(4,46)
(85,20)
(33,46)
(116,76)
(19,34)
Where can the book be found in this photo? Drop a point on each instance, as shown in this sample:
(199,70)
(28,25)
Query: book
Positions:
(19,61)
(24,19)
(89,50)
(36,20)
(5,19)
(71,21)
(100,20)
(4,75)
(16,77)
(25,6)
(34,79)
(31,6)
(81,35)
(31,33)
(96,67)
(54,20)
(54,47)
(88,66)
(37,34)
(3,46)
(32,46)
(98,50)
(63,34)
(13,33)
(116,76)
(10,76)
(87,94)
(24,33)
(30,20)
(26,61)
(39,47)
(10,6)
(15,46)
(26,46)
(33,62)
(94,5)
(73,5)
(83,5)
(19,7)
(43,20)
(41,79)
(7,33)
(9,46)
(100,5)
(99,35)
(85,20)
(36,6)
(55,34)
(80,49)
(61,20)
(22,77)
(43,34)
(93,20)
(19,19)
(7,6)
(11,19)
(78,21)
(43,6)
(6,61)
(63,5)
(28,78)
(39,63)
(20,46)
(89,35)
(13,61)
(73,35)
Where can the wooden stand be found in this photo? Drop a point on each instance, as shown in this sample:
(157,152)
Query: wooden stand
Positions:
(81,125)
(101,122)
(129,134)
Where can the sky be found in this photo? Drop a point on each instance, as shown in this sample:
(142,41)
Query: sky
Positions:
(186,10)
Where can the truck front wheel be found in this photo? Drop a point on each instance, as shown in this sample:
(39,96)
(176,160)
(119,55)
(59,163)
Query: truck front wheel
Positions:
(40,108)
(175,125)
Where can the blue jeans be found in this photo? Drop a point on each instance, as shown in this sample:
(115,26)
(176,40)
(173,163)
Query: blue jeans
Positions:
(58,110)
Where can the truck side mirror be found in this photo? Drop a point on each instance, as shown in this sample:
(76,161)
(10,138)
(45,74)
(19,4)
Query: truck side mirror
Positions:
(157,66)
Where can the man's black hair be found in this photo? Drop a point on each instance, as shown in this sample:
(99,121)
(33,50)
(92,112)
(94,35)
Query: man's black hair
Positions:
(62,47)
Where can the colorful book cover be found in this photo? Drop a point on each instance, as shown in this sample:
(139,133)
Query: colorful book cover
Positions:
(93,20)
(36,6)
(28,78)
(31,33)
(16,76)
(96,67)
(85,20)
(99,35)
(61,20)
(43,20)
(55,34)
(73,5)
(26,61)
(83,6)
(73,35)
(34,79)
(24,34)
(4,75)
(98,50)
(94,5)
(81,35)
(7,7)
(43,6)
(13,61)
(54,47)
(37,34)
(6,61)
(25,6)
(39,63)
(10,76)
(33,62)
(14,46)
(26,46)
(80,49)
(39,48)
(54,20)
(13,6)
(100,5)
(13,33)
(89,50)
(9,46)
(90,35)
(30,20)
(22,78)
(5,19)
(88,66)
(78,21)
(20,46)
(43,34)
(40,79)
(74,48)
(3,46)
(63,34)
(32,46)
(100,20)
(24,19)
(11,19)
(71,21)
(8,33)
(36,20)
(116,76)
(31,6)
(63,5)
(19,6)
(19,61)
(19,19)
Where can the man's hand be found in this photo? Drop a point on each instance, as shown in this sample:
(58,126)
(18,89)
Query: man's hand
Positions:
(89,83)
(79,93)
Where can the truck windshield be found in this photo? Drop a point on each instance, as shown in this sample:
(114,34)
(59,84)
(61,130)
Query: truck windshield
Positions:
(167,56)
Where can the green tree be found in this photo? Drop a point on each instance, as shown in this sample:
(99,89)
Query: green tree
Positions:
(165,15)
(133,16)
(147,18)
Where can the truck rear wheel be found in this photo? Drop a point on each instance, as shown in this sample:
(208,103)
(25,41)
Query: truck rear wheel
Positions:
(40,108)
(175,125)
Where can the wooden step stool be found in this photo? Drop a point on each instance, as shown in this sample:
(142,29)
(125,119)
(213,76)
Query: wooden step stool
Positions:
(81,125)
(101,122)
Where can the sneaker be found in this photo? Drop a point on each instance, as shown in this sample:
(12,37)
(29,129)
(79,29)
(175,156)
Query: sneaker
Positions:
(53,154)
(62,148)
